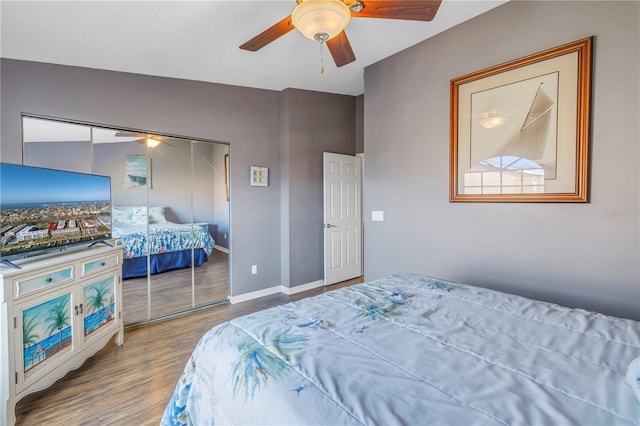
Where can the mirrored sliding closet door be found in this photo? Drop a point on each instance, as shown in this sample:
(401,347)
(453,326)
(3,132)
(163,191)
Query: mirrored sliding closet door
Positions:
(170,208)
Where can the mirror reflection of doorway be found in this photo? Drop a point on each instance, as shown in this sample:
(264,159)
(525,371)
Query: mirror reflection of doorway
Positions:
(170,208)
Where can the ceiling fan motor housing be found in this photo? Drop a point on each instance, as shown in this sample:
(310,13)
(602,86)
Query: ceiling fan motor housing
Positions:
(321,20)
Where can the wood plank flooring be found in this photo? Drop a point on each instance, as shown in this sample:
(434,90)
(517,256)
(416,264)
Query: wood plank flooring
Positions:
(171,291)
(131,384)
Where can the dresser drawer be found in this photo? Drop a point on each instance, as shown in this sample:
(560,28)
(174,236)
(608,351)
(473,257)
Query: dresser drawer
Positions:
(40,282)
(99,264)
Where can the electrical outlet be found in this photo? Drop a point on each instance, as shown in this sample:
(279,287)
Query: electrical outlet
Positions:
(254,269)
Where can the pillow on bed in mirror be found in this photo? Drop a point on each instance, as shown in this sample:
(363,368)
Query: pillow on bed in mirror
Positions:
(156,215)
(129,215)
(633,376)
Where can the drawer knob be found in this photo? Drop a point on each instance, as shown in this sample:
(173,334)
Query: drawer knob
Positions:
(103,263)
(49,279)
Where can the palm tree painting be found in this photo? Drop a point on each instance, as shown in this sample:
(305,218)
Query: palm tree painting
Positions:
(98,299)
(46,330)
(58,318)
(29,337)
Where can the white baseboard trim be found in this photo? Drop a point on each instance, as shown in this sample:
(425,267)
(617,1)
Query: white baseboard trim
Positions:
(223,249)
(255,294)
(302,287)
(275,289)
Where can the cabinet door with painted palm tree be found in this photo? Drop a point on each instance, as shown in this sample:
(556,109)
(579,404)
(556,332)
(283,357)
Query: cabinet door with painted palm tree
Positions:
(47,337)
(99,307)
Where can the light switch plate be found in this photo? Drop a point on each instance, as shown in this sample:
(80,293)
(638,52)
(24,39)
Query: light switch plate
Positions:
(377,216)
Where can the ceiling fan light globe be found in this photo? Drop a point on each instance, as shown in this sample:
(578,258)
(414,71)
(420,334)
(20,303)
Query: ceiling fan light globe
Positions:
(321,16)
(152,142)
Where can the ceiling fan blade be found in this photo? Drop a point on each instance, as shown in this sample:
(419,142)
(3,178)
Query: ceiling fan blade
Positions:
(340,49)
(269,35)
(410,10)
(130,135)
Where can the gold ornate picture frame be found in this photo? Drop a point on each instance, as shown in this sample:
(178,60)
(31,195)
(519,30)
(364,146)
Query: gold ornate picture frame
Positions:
(520,130)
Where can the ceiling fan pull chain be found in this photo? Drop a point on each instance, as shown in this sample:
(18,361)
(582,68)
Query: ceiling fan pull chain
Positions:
(321,58)
(321,38)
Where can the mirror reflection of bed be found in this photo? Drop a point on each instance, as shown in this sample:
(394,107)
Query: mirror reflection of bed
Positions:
(174,185)
(165,250)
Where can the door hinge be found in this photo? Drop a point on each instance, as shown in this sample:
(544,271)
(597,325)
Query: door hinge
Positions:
(16,377)
(15,323)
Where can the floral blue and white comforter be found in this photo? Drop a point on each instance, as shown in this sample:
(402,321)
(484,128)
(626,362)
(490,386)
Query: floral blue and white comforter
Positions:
(411,350)
(162,238)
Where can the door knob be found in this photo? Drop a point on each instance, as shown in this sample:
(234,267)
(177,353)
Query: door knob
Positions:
(328,225)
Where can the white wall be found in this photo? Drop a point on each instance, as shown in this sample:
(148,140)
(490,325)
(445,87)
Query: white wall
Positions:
(584,255)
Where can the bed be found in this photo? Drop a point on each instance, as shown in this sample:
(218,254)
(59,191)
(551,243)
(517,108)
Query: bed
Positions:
(407,350)
(170,245)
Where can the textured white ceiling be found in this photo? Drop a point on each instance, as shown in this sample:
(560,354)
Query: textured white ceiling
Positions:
(198,40)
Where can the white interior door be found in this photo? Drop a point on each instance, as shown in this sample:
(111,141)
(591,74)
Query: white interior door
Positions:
(342,217)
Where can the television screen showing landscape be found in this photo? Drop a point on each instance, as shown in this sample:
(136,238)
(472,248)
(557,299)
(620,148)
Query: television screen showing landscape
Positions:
(45,209)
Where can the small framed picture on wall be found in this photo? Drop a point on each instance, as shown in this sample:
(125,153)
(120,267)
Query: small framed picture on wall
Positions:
(259,176)
(137,171)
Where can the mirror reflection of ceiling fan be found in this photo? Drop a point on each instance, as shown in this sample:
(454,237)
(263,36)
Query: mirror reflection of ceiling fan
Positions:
(147,139)
(325,21)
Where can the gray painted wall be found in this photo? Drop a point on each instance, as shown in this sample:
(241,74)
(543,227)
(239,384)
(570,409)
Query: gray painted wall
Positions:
(73,156)
(316,123)
(360,124)
(581,255)
(249,119)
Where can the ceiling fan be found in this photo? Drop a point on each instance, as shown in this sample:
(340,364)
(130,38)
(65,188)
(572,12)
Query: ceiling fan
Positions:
(325,21)
(147,139)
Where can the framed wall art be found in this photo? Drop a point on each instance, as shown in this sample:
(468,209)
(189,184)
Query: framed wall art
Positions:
(137,171)
(520,130)
(259,176)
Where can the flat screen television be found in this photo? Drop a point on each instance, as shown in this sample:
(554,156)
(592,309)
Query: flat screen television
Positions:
(44,210)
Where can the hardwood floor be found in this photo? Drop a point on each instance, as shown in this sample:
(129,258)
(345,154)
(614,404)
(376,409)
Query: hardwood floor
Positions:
(131,384)
(171,291)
